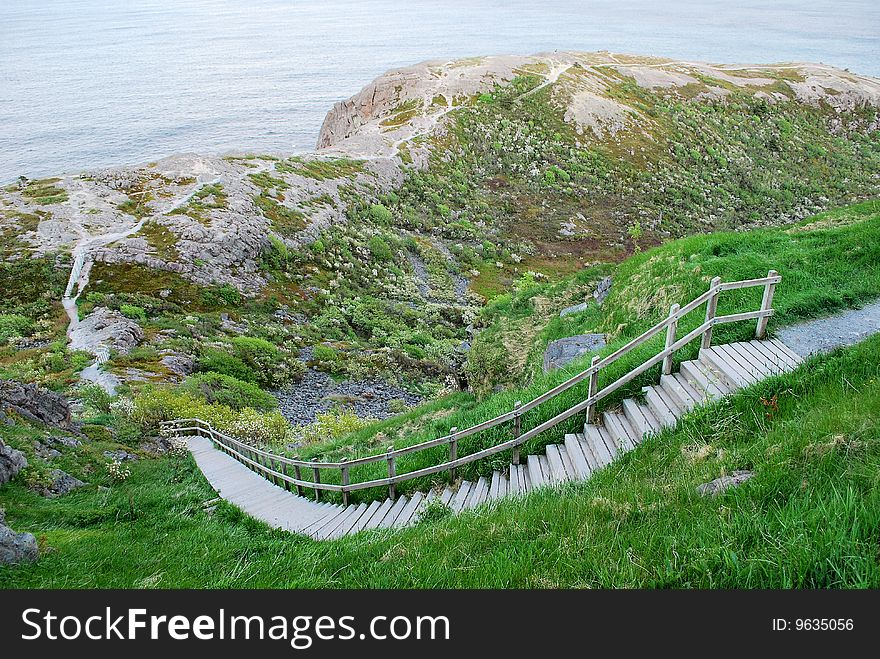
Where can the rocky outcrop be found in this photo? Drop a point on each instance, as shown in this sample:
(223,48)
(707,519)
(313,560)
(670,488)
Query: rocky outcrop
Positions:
(61,484)
(12,461)
(35,403)
(16,547)
(562,351)
(108,328)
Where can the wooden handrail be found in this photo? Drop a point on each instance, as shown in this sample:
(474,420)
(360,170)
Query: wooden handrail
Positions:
(250,455)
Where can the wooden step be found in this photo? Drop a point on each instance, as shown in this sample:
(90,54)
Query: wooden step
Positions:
(704,380)
(567,463)
(349,515)
(575,450)
(659,408)
(594,440)
(393,514)
(346,527)
(676,393)
(461,496)
(740,363)
(367,515)
(774,362)
(513,481)
(478,493)
(727,372)
(379,515)
(692,393)
(498,488)
(589,454)
(537,477)
(619,429)
(446,497)
(409,515)
(638,417)
(558,473)
(784,350)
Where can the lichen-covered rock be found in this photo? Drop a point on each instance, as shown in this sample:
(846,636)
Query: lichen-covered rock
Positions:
(108,328)
(16,547)
(61,484)
(34,403)
(12,461)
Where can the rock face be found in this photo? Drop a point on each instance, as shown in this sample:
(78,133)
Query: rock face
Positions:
(11,462)
(106,327)
(16,547)
(34,403)
(562,351)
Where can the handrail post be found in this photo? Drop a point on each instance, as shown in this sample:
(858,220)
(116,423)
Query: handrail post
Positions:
(711,309)
(766,305)
(453,451)
(517,430)
(592,413)
(298,474)
(392,472)
(671,329)
(317,482)
(345,482)
(284,471)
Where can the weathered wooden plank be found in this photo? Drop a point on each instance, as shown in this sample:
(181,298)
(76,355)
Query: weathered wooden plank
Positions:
(464,489)
(658,406)
(704,380)
(390,518)
(737,364)
(554,459)
(478,493)
(365,518)
(575,452)
(409,515)
(729,375)
(379,515)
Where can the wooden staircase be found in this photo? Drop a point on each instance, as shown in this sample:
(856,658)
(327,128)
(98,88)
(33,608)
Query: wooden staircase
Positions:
(719,371)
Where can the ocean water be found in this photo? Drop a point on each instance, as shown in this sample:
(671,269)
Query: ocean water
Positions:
(89,83)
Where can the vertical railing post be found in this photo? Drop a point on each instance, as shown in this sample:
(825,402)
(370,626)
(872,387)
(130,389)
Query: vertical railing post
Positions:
(392,472)
(344,483)
(453,452)
(298,475)
(671,329)
(592,414)
(286,476)
(517,430)
(317,482)
(766,305)
(711,309)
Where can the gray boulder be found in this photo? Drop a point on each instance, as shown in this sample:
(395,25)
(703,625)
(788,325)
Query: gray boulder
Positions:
(719,485)
(577,308)
(16,547)
(562,351)
(178,363)
(34,403)
(121,456)
(62,483)
(603,288)
(11,462)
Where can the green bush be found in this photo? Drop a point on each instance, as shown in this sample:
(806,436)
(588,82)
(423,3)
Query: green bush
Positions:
(218,361)
(271,367)
(95,397)
(332,424)
(156,404)
(230,391)
(14,325)
(380,214)
(379,249)
(133,312)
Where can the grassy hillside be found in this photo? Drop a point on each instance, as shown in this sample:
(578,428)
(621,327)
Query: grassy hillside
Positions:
(808,518)
(827,262)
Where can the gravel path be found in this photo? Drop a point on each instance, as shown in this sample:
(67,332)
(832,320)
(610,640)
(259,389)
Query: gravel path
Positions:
(825,334)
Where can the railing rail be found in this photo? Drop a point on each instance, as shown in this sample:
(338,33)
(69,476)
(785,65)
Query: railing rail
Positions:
(276,467)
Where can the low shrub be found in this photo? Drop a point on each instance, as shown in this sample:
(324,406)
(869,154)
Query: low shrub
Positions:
(12,325)
(333,423)
(230,391)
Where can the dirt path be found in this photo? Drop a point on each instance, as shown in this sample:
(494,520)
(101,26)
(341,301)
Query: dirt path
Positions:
(825,334)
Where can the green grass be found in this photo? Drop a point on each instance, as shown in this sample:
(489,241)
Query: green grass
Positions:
(45,192)
(808,518)
(321,170)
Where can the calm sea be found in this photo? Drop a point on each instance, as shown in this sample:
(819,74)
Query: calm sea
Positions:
(86,83)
